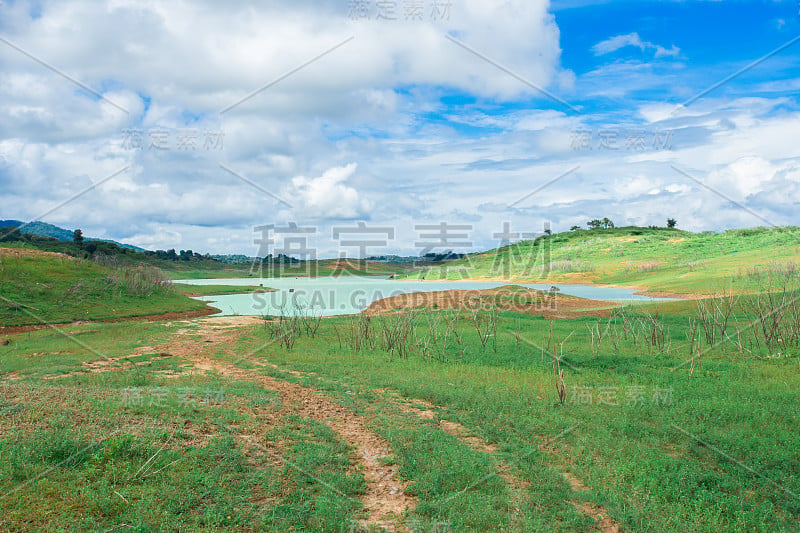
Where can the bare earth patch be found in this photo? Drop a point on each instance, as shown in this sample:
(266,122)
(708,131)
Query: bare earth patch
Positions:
(6,251)
(520,299)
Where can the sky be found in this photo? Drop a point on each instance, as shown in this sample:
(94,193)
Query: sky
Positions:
(373,127)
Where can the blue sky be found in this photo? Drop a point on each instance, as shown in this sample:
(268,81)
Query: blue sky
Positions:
(526,112)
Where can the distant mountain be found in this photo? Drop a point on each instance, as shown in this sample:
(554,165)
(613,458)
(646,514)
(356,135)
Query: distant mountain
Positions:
(49,230)
(10,223)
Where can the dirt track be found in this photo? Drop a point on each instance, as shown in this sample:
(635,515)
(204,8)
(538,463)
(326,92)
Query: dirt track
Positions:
(516,486)
(385,500)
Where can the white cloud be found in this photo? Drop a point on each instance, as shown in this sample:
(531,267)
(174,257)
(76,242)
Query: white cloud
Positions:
(327,196)
(364,133)
(157,238)
(744,177)
(632,39)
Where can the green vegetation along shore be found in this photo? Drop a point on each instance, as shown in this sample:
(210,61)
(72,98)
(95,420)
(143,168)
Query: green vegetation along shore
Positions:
(660,260)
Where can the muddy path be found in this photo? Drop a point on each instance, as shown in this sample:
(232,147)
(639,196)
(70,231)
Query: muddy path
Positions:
(385,497)
(385,500)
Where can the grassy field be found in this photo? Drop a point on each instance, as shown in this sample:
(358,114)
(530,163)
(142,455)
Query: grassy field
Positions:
(38,287)
(675,416)
(655,259)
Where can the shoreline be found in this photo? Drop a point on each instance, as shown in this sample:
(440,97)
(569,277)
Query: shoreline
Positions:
(156,317)
(639,291)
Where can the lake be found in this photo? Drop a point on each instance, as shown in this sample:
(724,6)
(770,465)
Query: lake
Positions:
(346,295)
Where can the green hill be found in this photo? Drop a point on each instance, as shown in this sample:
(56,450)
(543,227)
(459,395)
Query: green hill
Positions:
(659,260)
(43,229)
(38,287)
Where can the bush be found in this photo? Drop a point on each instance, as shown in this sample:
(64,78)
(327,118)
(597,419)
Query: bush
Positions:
(646,266)
(571,265)
(142,281)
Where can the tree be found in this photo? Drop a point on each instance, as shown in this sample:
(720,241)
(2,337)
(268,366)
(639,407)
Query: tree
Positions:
(607,224)
(77,237)
(671,223)
(594,224)
(574,228)
(8,234)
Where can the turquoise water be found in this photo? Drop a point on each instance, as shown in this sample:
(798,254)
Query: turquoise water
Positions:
(352,294)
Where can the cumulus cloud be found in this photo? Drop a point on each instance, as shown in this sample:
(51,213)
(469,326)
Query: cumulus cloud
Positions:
(157,238)
(174,66)
(632,39)
(368,131)
(328,196)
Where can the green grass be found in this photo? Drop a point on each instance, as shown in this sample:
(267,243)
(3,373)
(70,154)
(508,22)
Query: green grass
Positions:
(193,272)
(93,451)
(49,352)
(665,441)
(653,259)
(58,289)
(660,450)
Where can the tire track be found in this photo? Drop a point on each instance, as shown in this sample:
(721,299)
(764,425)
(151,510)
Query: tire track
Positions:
(385,500)
(516,486)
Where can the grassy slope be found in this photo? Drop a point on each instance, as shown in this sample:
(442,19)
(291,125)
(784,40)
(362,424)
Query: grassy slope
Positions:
(323,267)
(206,268)
(88,441)
(639,457)
(630,410)
(655,259)
(41,287)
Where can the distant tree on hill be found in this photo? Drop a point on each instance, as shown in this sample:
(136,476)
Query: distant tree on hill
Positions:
(671,223)
(575,228)
(77,237)
(606,223)
(10,234)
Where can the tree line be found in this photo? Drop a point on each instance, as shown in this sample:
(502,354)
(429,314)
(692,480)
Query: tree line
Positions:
(607,223)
